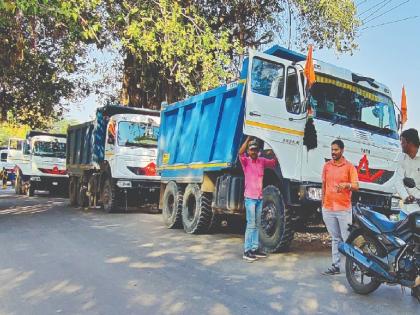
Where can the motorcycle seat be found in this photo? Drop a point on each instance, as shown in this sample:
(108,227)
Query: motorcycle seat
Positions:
(381,221)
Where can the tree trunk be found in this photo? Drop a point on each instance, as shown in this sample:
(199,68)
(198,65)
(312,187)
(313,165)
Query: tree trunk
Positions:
(144,84)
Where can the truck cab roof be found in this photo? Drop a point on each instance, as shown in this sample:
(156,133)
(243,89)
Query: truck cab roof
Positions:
(111,110)
(34,133)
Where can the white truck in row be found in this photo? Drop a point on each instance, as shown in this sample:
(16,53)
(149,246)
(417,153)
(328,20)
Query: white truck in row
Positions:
(39,163)
(111,161)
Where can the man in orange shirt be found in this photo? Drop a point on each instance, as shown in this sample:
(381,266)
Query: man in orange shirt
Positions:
(339,179)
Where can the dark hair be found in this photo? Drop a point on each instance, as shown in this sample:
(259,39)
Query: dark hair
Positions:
(339,143)
(412,136)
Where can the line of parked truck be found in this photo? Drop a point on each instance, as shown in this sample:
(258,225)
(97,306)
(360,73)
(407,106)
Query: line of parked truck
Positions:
(185,156)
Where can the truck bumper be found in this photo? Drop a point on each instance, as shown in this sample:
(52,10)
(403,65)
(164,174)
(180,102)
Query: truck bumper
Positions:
(49,183)
(137,185)
(311,194)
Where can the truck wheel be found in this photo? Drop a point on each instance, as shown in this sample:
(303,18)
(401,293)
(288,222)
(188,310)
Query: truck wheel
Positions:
(82,199)
(18,186)
(72,191)
(109,197)
(196,210)
(30,191)
(92,192)
(276,228)
(172,206)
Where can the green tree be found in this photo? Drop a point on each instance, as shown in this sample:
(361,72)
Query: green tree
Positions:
(41,45)
(11,130)
(175,48)
(61,125)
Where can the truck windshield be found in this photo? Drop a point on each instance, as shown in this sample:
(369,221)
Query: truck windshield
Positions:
(348,104)
(137,134)
(50,149)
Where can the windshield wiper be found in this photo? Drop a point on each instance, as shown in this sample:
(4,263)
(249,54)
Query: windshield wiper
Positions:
(340,119)
(371,128)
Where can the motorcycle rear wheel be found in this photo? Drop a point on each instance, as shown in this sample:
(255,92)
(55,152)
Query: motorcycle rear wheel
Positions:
(357,275)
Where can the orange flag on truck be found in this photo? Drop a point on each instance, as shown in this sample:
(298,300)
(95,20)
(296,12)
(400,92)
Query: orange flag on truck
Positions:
(309,68)
(403,106)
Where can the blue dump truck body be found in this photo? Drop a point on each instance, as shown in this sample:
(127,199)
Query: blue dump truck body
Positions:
(199,139)
(201,133)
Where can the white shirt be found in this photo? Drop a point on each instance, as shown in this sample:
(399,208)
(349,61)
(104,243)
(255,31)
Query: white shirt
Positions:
(408,168)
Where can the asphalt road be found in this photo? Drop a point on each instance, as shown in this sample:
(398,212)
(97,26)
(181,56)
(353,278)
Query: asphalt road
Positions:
(59,260)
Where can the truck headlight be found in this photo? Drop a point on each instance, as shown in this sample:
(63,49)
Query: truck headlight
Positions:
(314,193)
(35,179)
(124,184)
(395,203)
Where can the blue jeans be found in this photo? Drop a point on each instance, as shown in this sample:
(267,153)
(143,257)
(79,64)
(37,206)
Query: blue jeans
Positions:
(253,209)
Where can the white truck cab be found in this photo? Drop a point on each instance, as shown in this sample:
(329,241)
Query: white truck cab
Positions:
(39,162)
(131,147)
(347,106)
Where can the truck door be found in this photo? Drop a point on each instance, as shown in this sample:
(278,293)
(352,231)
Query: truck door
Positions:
(274,110)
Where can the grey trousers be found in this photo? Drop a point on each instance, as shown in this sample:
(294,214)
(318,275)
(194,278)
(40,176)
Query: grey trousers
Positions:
(337,223)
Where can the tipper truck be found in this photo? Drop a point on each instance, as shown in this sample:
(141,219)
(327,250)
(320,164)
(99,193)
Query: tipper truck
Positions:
(111,160)
(200,136)
(39,163)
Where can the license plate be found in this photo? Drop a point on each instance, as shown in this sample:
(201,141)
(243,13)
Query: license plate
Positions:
(55,183)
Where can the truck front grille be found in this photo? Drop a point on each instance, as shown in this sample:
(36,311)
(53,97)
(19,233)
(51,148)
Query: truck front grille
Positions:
(375,201)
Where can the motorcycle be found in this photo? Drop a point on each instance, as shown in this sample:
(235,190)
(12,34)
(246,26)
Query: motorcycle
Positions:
(379,250)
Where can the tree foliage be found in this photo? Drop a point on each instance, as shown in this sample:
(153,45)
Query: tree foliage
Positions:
(174,48)
(11,130)
(41,43)
(170,48)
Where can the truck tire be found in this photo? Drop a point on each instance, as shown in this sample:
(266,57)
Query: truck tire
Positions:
(82,198)
(72,191)
(197,213)
(109,197)
(30,191)
(276,226)
(91,191)
(172,206)
(18,185)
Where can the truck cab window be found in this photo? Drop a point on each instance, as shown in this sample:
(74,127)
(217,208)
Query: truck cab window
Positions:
(293,103)
(267,78)
(49,149)
(136,134)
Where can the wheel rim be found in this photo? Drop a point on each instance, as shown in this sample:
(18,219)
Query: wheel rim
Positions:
(360,275)
(191,207)
(269,219)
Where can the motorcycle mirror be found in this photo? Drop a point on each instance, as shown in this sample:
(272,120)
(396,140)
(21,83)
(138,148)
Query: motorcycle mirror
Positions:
(409,182)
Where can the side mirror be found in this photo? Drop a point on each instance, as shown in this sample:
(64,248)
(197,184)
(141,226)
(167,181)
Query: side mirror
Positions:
(409,182)
(399,121)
